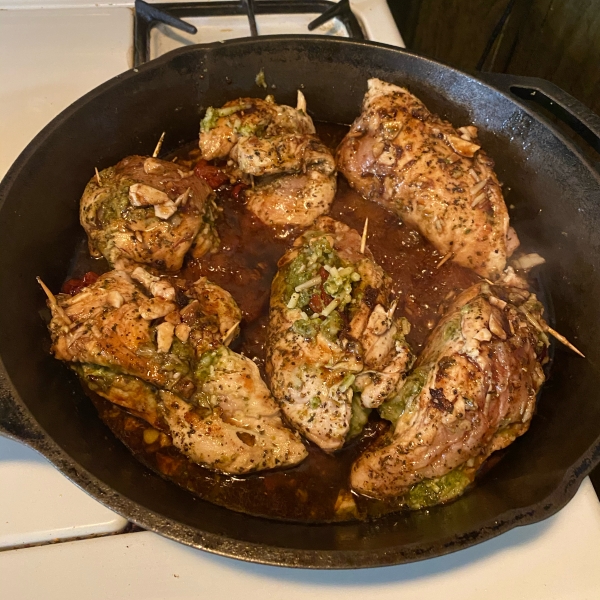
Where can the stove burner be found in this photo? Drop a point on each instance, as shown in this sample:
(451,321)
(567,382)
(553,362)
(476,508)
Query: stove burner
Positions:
(148,16)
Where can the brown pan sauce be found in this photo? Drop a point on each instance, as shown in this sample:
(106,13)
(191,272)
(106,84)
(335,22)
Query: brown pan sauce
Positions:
(317,489)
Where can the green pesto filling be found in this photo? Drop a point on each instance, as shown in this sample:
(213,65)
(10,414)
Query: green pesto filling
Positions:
(115,203)
(307,328)
(339,285)
(206,366)
(359,418)
(97,378)
(329,327)
(394,408)
(178,360)
(439,490)
(182,351)
(451,329)
(306,266)
(212,115)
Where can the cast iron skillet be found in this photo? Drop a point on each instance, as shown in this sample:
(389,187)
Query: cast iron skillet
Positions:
(556,194)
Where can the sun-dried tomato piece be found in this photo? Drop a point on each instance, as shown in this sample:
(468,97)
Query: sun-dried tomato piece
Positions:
(89,278)
(315,303)
(237,190)
(319,301)
(74,286)
(211,174)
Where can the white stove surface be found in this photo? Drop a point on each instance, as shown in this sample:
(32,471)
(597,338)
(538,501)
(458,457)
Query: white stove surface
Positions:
(553,560)
(52,52)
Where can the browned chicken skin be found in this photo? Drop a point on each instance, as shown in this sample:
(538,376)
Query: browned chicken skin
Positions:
(473,391)
(434,177)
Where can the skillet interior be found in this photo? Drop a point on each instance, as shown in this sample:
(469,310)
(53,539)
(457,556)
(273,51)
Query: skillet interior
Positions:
(556,197)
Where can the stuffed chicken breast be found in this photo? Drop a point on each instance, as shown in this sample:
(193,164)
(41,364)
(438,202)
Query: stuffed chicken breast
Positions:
(158,348)
(472,391)
(433,176)
(146,211)
(274,148)
(335,348)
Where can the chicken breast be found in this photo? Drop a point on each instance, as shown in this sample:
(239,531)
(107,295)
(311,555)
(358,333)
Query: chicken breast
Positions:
(276,144)
(296,199)
(159,349)
(433,176)
(335,348)
(148,211)
(233,424)
(473,391)
(221,128)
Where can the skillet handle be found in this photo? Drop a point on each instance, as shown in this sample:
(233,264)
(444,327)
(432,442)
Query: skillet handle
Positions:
(569,110)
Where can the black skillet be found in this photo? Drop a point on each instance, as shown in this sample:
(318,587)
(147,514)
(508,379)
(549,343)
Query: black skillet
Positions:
(556,196)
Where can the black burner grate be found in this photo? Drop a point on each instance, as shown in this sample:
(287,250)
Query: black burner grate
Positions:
(148,16)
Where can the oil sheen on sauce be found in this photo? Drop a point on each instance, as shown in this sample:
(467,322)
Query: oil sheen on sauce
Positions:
(316,490)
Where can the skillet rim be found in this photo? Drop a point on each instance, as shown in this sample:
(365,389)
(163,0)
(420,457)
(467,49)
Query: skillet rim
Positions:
(18,423)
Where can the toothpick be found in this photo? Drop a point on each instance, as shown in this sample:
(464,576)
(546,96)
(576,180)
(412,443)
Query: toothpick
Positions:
(531,319)
(445,259)
(54,303)
(97,176)
(563,340)
(229,335)
(159,145)
(546,328)
(363,241)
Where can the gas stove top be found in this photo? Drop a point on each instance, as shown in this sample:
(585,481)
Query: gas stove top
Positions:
(53,52)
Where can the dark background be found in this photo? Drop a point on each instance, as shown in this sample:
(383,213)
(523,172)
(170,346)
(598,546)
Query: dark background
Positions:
(558,40)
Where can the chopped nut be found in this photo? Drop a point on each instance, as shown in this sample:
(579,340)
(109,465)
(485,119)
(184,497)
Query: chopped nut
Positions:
(483,335)
(478,187)
(155,309)
(115,299)
(182,331)
(145,195)
(164,336)
(387,158)
(528,261)
(162,289)
(496,327)
(183,198)
(462,147)
(156,286)
(166,210)
(152,165)
(378,149)
(497,302)
(173,317)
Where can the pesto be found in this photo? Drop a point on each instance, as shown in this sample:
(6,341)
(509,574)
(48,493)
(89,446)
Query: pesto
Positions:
(430,492)
(206,366)
(331,326)
(97,378)
(307,328)
(359,418)
(394,408)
